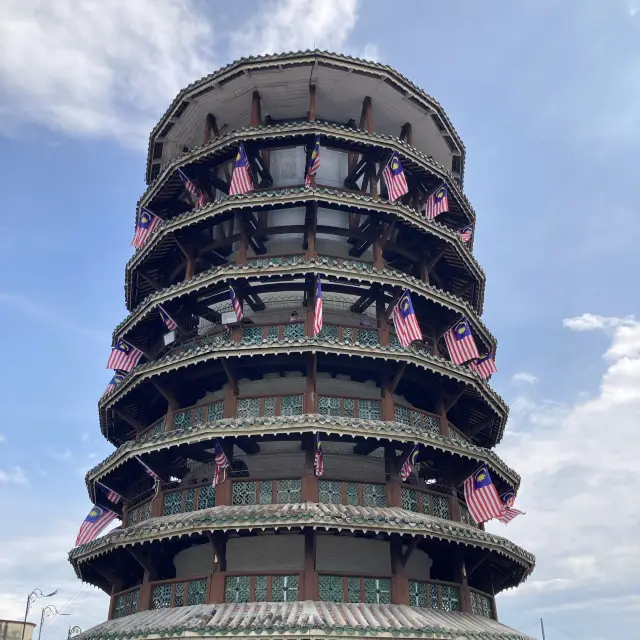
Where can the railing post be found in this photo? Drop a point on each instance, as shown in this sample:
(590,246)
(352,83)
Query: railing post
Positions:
(157,504)
(309,491)
(216,594)
(461,578)
(310,584)
(144,600)
(399,582)
(223,493)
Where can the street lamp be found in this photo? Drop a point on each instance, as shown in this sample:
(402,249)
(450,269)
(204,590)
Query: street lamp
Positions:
(73,631)
(47,611)
(31,598)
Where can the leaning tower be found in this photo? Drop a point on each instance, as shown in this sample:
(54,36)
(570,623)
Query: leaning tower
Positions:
(259,462)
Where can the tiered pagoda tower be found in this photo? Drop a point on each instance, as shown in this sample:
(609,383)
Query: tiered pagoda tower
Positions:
(275,548)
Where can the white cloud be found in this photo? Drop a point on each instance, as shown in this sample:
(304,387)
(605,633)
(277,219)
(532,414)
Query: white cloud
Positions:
(290,25)
(14,476)
(103,69)
(579,466)
(523,376)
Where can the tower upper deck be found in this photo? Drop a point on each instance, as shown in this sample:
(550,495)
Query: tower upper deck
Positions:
(282,82)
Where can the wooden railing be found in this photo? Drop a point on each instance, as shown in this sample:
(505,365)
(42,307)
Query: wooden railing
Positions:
(126,602)
(433,594)
(189,499)
(354,588)
(423,501)
(180,592)
(257,491)
(362,494)
(282,586)
(482,604)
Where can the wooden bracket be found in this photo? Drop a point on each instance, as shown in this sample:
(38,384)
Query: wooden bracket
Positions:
(231,378)
(394,301)
(130,420)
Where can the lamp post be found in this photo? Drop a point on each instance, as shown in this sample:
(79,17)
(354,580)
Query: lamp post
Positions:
(73,631)
(31,598)
(47,611)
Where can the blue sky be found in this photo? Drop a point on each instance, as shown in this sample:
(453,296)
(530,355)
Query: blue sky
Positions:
(546,96)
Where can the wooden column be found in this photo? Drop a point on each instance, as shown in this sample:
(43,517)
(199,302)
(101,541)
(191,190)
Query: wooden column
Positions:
(312,102)
(256,111)
(366,116)
(115,588)
(310,479)
(444,421)
(210,126)
(381,321)
(216,593)
(312,229)
(460,576)
(399,582)
(157,503)
(310,585)
(243,242)
(310,402)
(454,505)
(406,133)
(378,263)
(230,400)
(394,490)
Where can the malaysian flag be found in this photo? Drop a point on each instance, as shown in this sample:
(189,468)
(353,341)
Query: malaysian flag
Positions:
(237,305)
(314,163)
(465,233)
(148,470)
(317,311)
(318,461)
(147,223)
(394,178)
(407,465)
(112,496)
(482,497)
(241,179)
(460,343)
(405,321)
(116,381)
(484,366)
(508,498)
(198,197)
(93,524)
(167,319)
(222,463)
(437,203)
(124,357)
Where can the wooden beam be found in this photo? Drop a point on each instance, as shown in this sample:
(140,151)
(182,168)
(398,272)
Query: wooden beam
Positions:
(218,542)
(471,571)
(172,401)
(231,378)
(312,102)
(473,432)
(248,445)
(406,133)
(448,403)
(152,281)
(130,420)
(409,551)
(397,377)
(394,301)
(143,561)
(256,111)
(209,126)
(366,116)
(431,262)
(367,447)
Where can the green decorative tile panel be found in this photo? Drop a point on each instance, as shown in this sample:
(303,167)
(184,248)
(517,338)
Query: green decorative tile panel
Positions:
(157,428)
(374,495)
(269,407)
(266,492)
(261,589)
(189,499)
(368,338)
(161,596)
(243,493)
(291,405)
(237,589)
(197,592)
(206,497)
(377,590)
(172,503)
(347,335)
(289,491)
(126,604)
(293,331)
(353,589)
(352,493)
(178,597)
(450,598)
(285,588)
(182,420)
(466,517)
(272,334)
(440,507)
(402,414)
(139,514)
(433,596)
(328,406)
(481,605)
(252,335)
(329,492)
(328,332)
(417,593)
(215,411)
(331,588)
(410,500)
(369,409)
(248,408)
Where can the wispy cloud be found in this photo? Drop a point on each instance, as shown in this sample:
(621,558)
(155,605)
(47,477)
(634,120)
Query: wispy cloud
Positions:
(48,316)
(14,476)
(524,377)
(592,322)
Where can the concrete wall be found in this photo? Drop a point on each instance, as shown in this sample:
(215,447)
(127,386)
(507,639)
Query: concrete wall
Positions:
(266,553)
(12,630)
(194,561)
(343,554)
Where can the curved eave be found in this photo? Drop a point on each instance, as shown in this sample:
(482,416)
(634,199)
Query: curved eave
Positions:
(410,355)
(347,269)
(291,197)
(225,147)
(302,618)
(407,90)
(308,514)
(310,423)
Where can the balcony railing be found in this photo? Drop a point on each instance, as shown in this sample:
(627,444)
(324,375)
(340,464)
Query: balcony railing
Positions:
(354,493)
(422,501)
(250,491)
(434,595)
(191,499)
(286,586)
(179,593)
(283,587)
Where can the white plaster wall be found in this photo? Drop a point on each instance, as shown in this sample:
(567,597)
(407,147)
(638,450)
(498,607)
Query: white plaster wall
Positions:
(419,565)
(344,554)
(194,561)
(266,553)
(287,166)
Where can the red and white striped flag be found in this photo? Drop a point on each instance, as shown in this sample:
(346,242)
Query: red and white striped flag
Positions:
(437,202)
(465,233)
(167,319)
(112,496)
(241,179)
(148,470)
(407,465)
(198,196)
(481,496)
(460,343)
(124,357)
(147,223)
(484,366)
(508,498)
(317,311)
(314,163)
(394,178)
(405,322)
(235,303)
(222,463)
(93,524)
